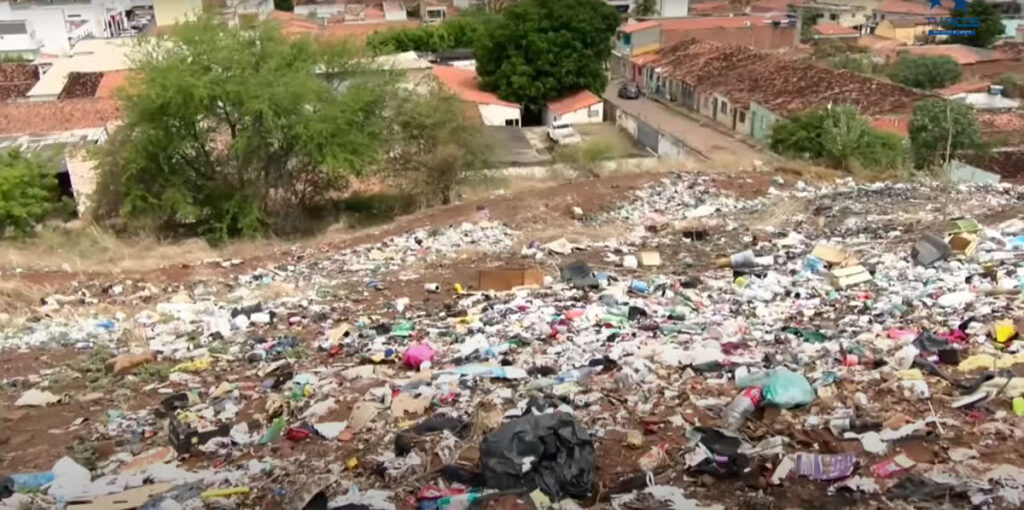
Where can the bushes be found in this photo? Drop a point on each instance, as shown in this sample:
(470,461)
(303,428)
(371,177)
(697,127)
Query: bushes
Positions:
(840,138)
(584,157)
(924,72)
(938,127)
(28,192)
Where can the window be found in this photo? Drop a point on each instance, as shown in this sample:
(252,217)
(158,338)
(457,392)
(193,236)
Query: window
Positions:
(593,112)
(626,39)
(743,117)
(510,122)
(833,17)
(724,108)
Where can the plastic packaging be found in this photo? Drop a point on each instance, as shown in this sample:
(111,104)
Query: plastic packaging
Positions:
(781,387)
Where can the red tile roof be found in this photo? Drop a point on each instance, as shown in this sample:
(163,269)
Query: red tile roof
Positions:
(962,54)
(702,23)
(43,117)
(960,88)
(781,85)
(1001,122)
(833,29)
(294,25)
(465,84)
(111,82)
(572,102)
(17,79)
(629,28)
(773,5)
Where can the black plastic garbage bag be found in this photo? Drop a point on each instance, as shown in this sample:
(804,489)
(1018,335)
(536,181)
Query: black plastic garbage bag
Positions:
(548,451)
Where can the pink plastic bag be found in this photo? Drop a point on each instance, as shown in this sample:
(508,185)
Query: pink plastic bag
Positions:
(417,354)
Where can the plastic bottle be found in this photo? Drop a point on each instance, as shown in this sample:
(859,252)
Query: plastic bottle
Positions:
(576,375)
(28,482)
(741,407)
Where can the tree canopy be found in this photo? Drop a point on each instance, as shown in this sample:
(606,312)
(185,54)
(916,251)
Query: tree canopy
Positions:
(924,71)
(229,132)
(991,25)
(284,5)
(539,50)
(644,8)
(28,191)
(937,125)
(462,31)
(837,137)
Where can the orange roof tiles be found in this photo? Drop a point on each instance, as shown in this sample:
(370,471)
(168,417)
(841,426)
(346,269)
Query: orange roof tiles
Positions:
(629,28)
(294,25)
(909,7)
(43,117)
(572,102)
(962,54)
(833,29)
(465,84)
(967,86)
(680,24)
(110,82)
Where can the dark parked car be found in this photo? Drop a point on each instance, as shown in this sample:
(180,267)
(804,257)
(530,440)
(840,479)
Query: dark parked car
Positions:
(629,91)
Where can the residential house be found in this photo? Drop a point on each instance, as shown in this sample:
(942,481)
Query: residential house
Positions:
(964,87)
(233,12)
(89,56)
(748,90)
(580,107)
(904,9)
(976,62)
(853,14)
(17,39)
(58,25)
(833,31)
(465,84)
(631,41)
(69,127)
(907,30)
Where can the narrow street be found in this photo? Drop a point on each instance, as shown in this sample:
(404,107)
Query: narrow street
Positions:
(715,145)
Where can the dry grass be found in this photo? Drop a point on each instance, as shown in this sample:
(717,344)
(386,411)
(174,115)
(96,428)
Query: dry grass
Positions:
(777,214)
(89,248)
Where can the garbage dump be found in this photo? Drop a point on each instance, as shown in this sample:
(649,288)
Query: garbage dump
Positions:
(807,345)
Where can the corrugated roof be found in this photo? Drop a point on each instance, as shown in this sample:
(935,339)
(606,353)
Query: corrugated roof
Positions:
(782,85)
(88,56)
(962,54)
(833,29)
(629,28)
(465,84)
(572,102)
(42,117)
(111,82)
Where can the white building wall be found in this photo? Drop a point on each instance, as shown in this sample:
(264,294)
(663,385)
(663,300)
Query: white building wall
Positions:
(496,115)
(591,115)
(50,22)
(625,121)
(674,8)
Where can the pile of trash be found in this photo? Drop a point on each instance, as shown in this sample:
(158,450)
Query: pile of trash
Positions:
(825,359)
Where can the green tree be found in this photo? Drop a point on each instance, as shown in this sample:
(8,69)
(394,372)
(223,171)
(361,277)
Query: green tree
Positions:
(837,137)
(541,49)
(433,144)
(990,25)
(808,18)
(28,192)
(284,5)
(941,130)
(462,31)
(229,133)
(924,72)
(645,8)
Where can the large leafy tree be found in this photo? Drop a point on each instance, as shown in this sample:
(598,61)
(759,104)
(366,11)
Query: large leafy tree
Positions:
(644,8)
(542,49)
(941,130)
(991,24)
(924,72)
(230,132)
(284,5)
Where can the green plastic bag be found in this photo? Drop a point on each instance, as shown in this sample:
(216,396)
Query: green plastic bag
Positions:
(781,387)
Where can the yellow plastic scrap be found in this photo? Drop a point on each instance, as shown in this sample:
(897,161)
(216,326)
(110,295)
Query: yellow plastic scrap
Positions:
(1003,330)
(351,463)
(198,365)
(224,493)
(989,362)
(912,374)
(458,288)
